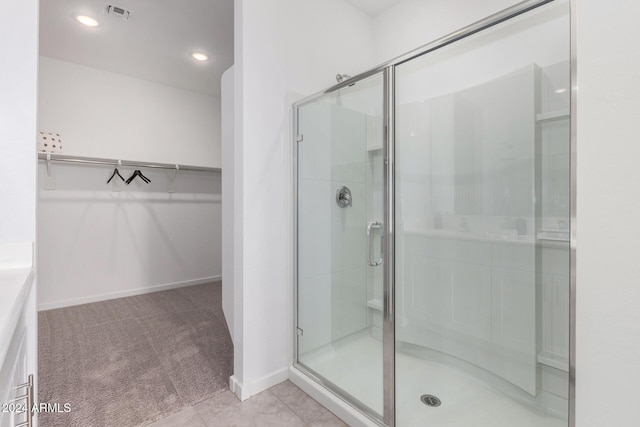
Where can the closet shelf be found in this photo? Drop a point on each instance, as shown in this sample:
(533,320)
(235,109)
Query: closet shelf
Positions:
(113,162)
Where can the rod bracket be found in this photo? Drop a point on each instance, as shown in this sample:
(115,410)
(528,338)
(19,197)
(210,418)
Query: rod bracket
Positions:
(49,176)
(171,184)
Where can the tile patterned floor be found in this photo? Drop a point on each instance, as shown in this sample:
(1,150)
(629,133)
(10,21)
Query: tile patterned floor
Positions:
(283,405)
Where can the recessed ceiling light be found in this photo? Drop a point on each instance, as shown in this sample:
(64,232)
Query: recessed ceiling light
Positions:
(199,56)
(562,90)
(86,20)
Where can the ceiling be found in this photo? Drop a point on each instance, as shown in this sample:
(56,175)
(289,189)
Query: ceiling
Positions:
(154,44)
(373,7)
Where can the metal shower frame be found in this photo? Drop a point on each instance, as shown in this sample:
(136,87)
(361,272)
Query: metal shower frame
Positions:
(387,70)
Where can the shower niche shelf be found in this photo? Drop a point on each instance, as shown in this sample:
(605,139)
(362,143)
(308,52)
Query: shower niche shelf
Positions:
(375,304)
(552,116)
(374,133)
(553,360)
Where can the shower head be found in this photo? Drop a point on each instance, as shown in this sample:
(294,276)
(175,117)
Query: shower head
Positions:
(342,77)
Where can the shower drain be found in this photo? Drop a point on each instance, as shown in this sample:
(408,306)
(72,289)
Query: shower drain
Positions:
(430,400)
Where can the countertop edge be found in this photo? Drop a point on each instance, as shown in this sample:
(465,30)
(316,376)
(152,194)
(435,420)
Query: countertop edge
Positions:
(10,319)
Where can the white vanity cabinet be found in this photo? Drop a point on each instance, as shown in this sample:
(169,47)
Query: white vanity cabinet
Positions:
(18,347)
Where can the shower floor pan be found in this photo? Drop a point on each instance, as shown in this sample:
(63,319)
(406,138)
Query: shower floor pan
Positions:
(466,399)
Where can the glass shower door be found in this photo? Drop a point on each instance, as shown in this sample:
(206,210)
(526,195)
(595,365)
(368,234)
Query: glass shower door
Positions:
(482,141)
(339,243)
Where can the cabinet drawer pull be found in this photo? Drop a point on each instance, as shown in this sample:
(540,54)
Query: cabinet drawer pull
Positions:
(17,398)
(28,396)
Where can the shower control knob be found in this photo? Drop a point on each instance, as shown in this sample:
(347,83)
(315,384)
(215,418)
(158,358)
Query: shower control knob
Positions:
(343,197)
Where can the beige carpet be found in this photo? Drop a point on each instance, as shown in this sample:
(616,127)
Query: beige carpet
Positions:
(130,361)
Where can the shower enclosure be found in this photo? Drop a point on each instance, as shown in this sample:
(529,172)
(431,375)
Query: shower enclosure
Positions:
(433,215)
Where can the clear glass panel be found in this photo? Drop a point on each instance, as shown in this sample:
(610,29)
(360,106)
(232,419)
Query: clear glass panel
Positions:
(482,220)
(339,199)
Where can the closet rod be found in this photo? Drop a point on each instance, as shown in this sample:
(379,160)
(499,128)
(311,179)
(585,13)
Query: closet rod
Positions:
(112,162)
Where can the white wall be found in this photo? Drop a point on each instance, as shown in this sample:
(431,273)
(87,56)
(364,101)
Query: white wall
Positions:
(18,83)
(608,231)
(18,89)
(228,189)
(96,244)
(281,46)
(413,23)
(103,114)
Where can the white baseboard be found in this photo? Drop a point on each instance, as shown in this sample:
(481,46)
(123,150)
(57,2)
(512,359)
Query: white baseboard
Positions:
(127,293)
(237,388)
(329,400)
(245,391)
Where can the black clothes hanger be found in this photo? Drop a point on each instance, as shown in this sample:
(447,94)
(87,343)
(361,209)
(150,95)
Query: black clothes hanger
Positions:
(115,172)
(135,174)
(144,178)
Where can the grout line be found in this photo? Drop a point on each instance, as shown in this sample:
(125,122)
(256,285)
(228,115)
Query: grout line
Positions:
(292,410)
(166,414)
(211,396)
(204,422)
(286,406)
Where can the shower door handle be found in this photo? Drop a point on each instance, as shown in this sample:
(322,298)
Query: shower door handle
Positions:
(370,227)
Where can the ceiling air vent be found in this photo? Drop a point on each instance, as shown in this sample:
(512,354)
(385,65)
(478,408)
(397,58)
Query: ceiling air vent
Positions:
(117,11)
